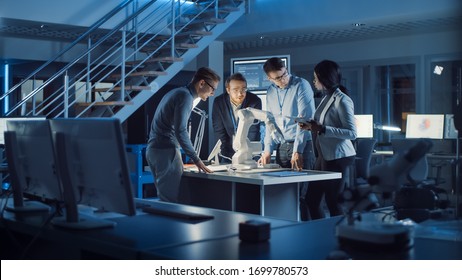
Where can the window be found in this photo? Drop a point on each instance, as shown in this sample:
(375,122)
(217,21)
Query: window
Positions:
(397,95)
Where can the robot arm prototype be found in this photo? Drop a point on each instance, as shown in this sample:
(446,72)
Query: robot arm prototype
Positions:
(386,178)
(242,145)
(389,176)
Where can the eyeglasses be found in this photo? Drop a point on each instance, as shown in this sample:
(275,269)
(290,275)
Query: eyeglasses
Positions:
(213,89)
(278,79)
(239,90)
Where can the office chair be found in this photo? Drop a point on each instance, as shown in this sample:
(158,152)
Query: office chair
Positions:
(364,150)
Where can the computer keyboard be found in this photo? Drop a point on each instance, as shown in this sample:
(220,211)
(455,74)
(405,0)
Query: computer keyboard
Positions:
(176,213)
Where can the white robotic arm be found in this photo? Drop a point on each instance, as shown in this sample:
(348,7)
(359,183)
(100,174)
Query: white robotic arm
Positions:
(242,145)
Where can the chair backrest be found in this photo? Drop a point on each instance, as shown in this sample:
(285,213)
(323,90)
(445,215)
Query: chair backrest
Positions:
(420,171)
(364,150)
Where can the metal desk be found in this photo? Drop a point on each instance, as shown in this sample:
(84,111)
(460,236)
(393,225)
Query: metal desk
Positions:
(314,240)
(276,196)
(126,240)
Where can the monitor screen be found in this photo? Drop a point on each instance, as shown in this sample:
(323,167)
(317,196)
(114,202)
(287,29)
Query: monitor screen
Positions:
(262,95)
(93,162)
(30,153)
(364,126)
(3,127)
(425,126)
(450,131)
(252,69)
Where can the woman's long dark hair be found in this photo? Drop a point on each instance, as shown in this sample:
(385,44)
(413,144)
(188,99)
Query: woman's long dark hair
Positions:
(328,73)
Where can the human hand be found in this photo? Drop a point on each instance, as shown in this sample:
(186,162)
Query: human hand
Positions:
(316,126)
(265,158)
(296,161)
(201,167)
(304,126)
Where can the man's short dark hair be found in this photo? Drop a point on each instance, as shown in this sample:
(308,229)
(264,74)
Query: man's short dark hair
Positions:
(273,64)
(207,74)
(235,77)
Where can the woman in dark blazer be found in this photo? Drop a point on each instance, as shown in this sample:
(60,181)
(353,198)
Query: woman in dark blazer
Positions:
(333,129)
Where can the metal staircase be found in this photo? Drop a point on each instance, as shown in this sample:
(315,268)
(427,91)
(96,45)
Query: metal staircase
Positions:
(113,71)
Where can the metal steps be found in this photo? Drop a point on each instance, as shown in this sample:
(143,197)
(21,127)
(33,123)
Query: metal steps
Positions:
(134,60)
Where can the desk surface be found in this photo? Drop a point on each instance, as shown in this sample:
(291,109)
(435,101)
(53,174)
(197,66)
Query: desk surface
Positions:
(148,236)
(141,232)
(260,179)
(311,240)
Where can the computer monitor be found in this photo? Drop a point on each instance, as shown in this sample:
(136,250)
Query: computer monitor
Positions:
(252,69)
(425,126)
(94,169)
(215,152)
(364,126)
(450,131)
(262,95)
(31,164)
(3,126)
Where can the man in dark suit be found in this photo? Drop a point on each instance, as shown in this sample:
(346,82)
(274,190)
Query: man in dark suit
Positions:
(224,114)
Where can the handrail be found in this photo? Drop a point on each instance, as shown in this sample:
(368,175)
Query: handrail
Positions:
(92,28)
(103,59)
(63,70)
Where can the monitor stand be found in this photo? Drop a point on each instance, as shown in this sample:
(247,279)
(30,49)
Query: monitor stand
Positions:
(73,219)
(83,222)
(28,206)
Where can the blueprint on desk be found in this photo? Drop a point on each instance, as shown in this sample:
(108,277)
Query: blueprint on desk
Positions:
(285,173)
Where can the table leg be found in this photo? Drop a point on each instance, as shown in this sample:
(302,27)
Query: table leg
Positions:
(233,196)
(298,202)
(262,200)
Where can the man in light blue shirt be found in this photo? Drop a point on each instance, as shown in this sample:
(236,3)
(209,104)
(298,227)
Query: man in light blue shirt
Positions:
(289,96)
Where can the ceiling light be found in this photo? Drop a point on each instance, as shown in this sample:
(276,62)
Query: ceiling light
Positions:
(438,70)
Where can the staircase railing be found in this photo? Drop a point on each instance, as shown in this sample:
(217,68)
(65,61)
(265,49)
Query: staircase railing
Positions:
(118,56)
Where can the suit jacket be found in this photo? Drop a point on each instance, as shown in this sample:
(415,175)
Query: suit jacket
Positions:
(338,118)
(222,120)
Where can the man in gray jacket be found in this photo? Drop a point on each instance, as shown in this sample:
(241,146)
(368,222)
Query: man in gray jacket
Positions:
(169,132)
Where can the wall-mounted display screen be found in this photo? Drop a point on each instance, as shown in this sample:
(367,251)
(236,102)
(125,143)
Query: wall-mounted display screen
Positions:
(252,69)
(425,126)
